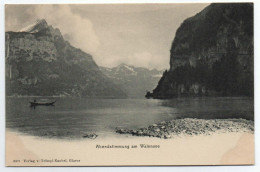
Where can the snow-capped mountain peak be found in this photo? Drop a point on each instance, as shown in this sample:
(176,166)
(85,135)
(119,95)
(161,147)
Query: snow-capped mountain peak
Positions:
(123,68)
(36,26)
(134,80)
(130,68)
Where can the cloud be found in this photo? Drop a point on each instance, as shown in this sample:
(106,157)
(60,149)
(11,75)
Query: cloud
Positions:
(139,35)
(77,30)
(140,59)
(17,17)
(148,60)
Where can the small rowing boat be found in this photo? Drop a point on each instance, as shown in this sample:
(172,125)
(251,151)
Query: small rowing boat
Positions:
(42,102)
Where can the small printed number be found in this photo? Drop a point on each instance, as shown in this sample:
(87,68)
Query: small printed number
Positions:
(16,160)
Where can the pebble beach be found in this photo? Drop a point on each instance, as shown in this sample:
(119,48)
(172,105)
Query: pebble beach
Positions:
(190,126)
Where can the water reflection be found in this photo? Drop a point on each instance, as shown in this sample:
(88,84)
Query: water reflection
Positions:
(74,117)
(212,108)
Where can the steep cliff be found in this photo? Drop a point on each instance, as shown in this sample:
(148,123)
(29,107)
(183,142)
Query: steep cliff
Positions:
(212,54)
(40,62)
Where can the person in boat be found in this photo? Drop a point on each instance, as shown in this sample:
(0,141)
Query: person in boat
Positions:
(34,101)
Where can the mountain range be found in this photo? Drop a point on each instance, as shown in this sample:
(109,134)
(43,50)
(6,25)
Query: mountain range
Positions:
(134,81)
(212,54)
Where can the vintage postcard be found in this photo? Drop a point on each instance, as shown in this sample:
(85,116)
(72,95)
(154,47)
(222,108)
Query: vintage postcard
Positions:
(129,84)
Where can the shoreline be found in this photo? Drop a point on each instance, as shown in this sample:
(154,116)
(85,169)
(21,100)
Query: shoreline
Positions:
(191,126)
(169,129)
(231,144)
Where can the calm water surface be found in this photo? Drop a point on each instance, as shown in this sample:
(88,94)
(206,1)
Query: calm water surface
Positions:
(74,117)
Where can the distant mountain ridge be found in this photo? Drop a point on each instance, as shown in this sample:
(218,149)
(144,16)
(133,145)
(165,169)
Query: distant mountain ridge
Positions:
(135,81)
(39,62)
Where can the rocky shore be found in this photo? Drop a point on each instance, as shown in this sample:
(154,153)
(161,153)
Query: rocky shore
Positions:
(190,126)
(90,136)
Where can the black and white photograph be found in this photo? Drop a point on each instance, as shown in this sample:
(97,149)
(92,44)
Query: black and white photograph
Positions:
(123,84)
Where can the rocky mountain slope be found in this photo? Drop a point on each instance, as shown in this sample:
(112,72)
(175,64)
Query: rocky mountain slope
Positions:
(40,62)
(212,54)
(135,81)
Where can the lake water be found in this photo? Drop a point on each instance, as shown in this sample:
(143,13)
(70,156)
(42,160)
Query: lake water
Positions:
(74,117)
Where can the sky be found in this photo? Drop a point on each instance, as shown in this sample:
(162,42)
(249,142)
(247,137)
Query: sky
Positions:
(135,34)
